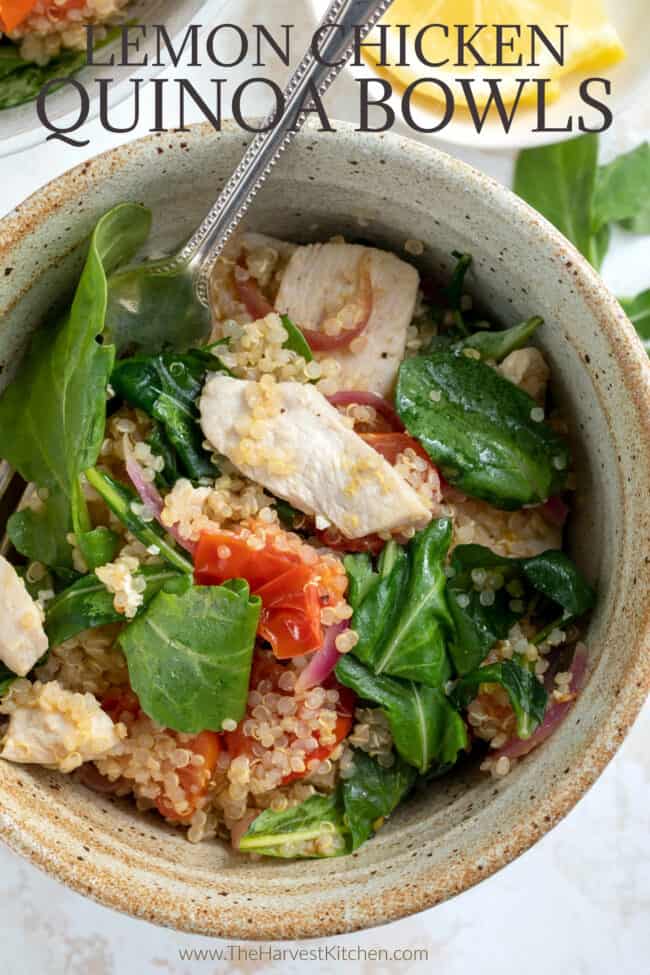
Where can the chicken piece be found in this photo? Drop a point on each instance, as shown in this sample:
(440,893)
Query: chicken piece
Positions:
(56,728)
(288,438)
(22,637)
(323,280)
(528,369)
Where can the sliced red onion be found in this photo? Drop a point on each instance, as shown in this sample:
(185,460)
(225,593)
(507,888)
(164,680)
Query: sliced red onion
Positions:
(151,497)
(352,397)
(323,662)
(241,827)
(252,298)
(555,511)
(554,716)
(320,341)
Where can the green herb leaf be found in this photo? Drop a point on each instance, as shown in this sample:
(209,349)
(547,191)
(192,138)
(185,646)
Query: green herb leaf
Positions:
(454,290)
(638,311)
(622,193)
(371,793)
(361,577)
(296,341)
(121,499)
(21,81)
(189,656)
(479,430)
(403,619)
(425,727)
(167,386)
(52,416)
(559,181)
(497,345)
(88,604)
(477,626)
(283,834)
(40,533)
(527,695)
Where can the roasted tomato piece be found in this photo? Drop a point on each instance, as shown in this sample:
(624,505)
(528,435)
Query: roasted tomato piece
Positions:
(194,779)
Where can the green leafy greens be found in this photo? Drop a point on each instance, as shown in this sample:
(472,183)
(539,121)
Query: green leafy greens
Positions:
(354,812)
(401,615)
(167,386)
(189,655)
(87,603)
(425,727)
(478,625)
(371,793)
(122,500)
(52,416)
(282,834)
(559,181)
(478,428)
(21,81)
(527,696)
(584,200)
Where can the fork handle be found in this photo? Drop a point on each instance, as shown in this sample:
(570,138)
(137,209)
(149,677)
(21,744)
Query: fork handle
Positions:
(335,49)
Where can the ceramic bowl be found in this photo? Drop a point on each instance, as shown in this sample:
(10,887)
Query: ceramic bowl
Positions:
(20,127)
(467,825)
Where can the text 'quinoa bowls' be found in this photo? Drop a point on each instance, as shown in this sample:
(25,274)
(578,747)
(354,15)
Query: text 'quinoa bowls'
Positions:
(300,572)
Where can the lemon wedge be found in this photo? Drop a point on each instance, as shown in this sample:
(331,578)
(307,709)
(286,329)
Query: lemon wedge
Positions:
(591,44)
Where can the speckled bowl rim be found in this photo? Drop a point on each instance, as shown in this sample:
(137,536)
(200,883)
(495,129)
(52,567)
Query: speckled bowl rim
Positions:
(436,886)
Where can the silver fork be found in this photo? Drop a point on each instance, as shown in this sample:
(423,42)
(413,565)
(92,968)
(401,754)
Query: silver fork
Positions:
(135,293)
(176,289)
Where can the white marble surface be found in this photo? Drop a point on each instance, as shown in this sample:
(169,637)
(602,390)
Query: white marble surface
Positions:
(578,903)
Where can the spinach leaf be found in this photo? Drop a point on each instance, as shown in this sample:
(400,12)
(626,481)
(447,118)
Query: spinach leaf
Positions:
(638,311)
(371,793)
(497,345)
(527,695)
(622,193)
(10,59)
(554,575)
(289,516)
(478,429)
(167,386)
(296,341)
(189,656)
(121,500)
(21,81)
(40,533)
(477,626)
(282,834)
(454,290)
(559,181)
(161,447)
(361,577)
(87,603)
(402,619)
(425,727)
(52,416)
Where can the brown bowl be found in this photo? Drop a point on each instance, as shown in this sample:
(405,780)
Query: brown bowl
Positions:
(467,825)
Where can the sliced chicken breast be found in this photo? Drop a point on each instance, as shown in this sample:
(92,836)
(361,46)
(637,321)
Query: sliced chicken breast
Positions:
(22,637)
(51,726)
(289,439)
(323,281)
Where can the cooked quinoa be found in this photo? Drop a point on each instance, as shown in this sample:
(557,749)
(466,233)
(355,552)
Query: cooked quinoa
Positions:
(57,25)
(285,468)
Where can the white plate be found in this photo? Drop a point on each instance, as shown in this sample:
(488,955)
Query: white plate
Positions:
(630,81)
(20,127)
